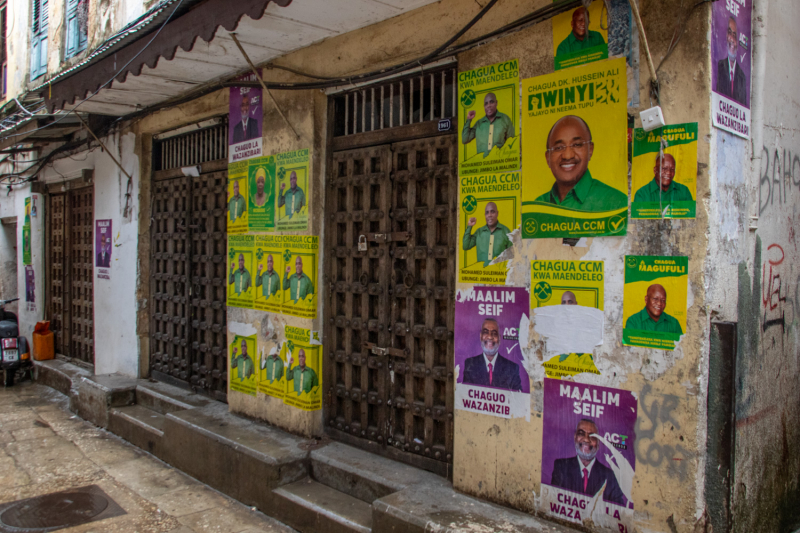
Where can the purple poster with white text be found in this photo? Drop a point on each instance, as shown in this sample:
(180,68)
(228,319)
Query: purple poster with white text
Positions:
(731,48)
(489,363)
(588,455)
(245,122)
(102,248)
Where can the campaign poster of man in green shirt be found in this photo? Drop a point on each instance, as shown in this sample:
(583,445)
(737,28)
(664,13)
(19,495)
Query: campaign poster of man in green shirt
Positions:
(303,378)
(294,199)
(236,205)
(581,36)
(241,363)
(569,150)
(269,280)
(652,317)
(493,130)
(298,284)
(490,240)
(273,364)
(663,188)
(239,278)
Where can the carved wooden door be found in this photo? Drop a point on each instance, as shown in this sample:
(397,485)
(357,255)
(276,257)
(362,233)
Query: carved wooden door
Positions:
(390,277)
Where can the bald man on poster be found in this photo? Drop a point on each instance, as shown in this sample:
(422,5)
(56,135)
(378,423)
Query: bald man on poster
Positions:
(490,240)
(492,130)
(663,188)
(652,317)
(568,152)
(581,36)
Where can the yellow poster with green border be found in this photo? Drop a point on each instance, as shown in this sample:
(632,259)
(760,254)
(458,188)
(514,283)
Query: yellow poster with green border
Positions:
(303,353)
(579,36)
(268,279)
(664,186)
(488,119)
(299,279)
(243,375)
(293,190)
(261,198)
(575,179)
(272,374)
(654,308)
(490,210)
(556,282)
(240,274)
(237,197)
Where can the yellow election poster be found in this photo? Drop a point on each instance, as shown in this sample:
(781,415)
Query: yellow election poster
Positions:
(237,197)
(654,301)
(272,374)
(579,36)
(261,207)
(489,212)
(294,190)
(240,281)
(243,373)
(568,283)
(269,273)
(299,284)
(575,180)
(664,172)
(489,119)
(303,353)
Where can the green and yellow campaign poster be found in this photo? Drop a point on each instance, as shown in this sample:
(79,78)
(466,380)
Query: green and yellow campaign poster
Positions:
(240,275)
(488,118)
(294,190)
(272,374)
(242,352)
(268,279)
(261,198)
(237,197)
(26,234)
(299,280)
(302,352)
(581,283)
(654,308)
(575,180)
(490,207)
(664,186)
(579,36)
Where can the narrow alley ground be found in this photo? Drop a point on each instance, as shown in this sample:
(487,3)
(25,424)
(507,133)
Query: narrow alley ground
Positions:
(44,448)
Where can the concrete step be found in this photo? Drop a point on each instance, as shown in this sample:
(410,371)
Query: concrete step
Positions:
(165,399)
(311,507)
(140,426)
(364,475)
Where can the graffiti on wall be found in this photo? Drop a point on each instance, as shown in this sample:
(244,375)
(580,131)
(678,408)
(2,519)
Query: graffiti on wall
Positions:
(780,170)
(656,416)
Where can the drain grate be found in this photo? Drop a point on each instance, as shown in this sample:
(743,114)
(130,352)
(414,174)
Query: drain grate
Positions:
(58,510)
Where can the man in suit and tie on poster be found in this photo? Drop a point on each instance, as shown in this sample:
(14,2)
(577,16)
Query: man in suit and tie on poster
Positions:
(490,369)
(731,79)
(248,127)
(103,255)
(583,473)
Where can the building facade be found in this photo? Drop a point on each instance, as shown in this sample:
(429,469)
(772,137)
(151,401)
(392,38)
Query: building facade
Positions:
(123,134)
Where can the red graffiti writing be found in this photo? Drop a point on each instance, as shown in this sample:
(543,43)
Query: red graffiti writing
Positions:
(771,288)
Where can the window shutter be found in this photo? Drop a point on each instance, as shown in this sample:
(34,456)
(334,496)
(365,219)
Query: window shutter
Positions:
(40,17)
(72,28)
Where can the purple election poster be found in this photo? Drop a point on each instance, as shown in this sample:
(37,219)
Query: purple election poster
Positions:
(246,115)
(102,248)
(488,357)
(588,455)
(731,48)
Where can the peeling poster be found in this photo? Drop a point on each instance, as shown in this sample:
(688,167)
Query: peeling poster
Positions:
(588,455)
(490,210)
(490,374)
(654,308)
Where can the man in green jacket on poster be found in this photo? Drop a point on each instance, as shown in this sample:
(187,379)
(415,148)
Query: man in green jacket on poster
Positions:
(652,317)
(294,199)
(491,240)
(581,37)
(242,363)
(299,284)
(304,378)
(240,279)
(663,188)
(492,130)
(270,281)
(274,366)
(236,205)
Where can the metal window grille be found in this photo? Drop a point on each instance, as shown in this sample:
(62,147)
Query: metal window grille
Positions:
(424,97)
(192,148)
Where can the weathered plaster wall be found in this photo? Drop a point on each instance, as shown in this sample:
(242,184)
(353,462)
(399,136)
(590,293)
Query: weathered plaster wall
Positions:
(30,315)
(18,28)
(116,345)
(766,487)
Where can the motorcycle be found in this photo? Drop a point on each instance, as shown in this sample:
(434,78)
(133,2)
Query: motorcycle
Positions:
(14,351)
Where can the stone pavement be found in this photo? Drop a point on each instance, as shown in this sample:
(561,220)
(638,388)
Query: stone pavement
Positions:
(44,448)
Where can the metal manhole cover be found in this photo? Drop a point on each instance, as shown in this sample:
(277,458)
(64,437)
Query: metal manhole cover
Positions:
(58,510)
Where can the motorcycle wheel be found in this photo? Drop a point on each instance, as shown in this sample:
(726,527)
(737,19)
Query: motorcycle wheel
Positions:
(9,378)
